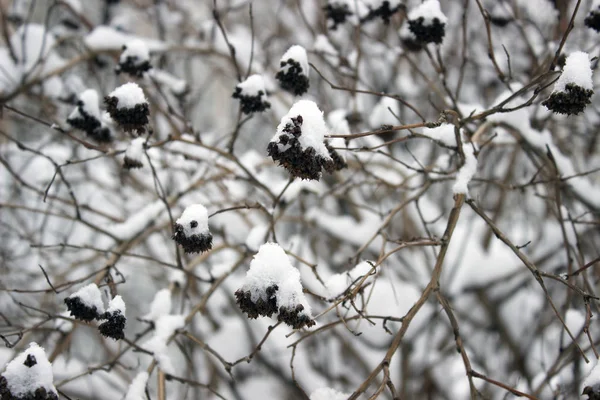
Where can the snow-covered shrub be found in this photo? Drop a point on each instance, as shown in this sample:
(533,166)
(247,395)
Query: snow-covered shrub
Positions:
(28,376)
(86,303)
(86,117)
(191,230)
(293,71)
(114,319)
(299,144)
(252,94)
(272,286)
(127,105)
(574,88)
(135,59)
(427,22)
(134,154)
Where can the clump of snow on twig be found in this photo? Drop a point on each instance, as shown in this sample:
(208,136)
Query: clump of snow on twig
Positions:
(272,285)
(134,154)
(293,70)
(427,22)
(191,230)
(28,376)
(467,171)
(135,58)
(328,394)
(165,327)
(160,306)
(252,94)
(86,303)
(137,388)
(574,88)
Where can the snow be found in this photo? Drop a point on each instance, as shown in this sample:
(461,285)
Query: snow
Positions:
(381,114)
(593,379)
(338,283)
(323,46)
(253,85)
(129,95)
(541,12)
(467,171)
(116,305)
(428,10)
(160,306)
(271,266)
(313,127)
(297,53)
(75,5)
(90,296)
(138,221)
(90,103)
(135,150)
(194,212)
(105,38)
(336,119)
(595,5)
(443,134)
(137,388)
(23,380)
(177,276)
(577,71)
(137,50)
(328,394)
(376,4)
(165,327)
(176,86)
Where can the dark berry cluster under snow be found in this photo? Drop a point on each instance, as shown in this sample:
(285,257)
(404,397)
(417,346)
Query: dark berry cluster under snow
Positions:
(113,325)
(292,78)
(572,100)
(593,20)
(337,13)
(80,310)
(89,124)
(251,104)
(130,119)
(427,33)
(385,11)
(196,243)
(261,307)
(39,394)
(300,162)
(133,66)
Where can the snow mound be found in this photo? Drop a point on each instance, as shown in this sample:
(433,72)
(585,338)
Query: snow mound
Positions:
(28,372)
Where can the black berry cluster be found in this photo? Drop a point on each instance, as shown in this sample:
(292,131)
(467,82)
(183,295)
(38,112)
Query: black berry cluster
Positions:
(80,310)
(113,325)
(294,317)
(337,13)
(572,100)
(427,33)
(196,243)
(89,124)
(302,163)
(292,78)
(592,20)
(132,163)
(39,394)
(251,104)
(130,119)
(384,11)
(262,307)
(133,66)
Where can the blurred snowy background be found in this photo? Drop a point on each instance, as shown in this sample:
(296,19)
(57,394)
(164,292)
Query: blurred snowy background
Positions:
(455,257)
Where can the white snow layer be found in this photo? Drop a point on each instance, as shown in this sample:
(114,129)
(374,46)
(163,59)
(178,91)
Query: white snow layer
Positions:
(22,380)
(135,150)
(467,171)
(160,306)
(271,266)
(105,38)
(90,296)
(384,113)
(194,212)
(116,304)
(328,394)
(297,53)
(323,46)
(176,85)
(91,103)
(137,50)
(443,134)
(428,10)
(541,12)
(338,283)
(577,71)
(129,95)
(592,380)
(137,388)
(595,5)
(313,127)
(253,85)
(165,327)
